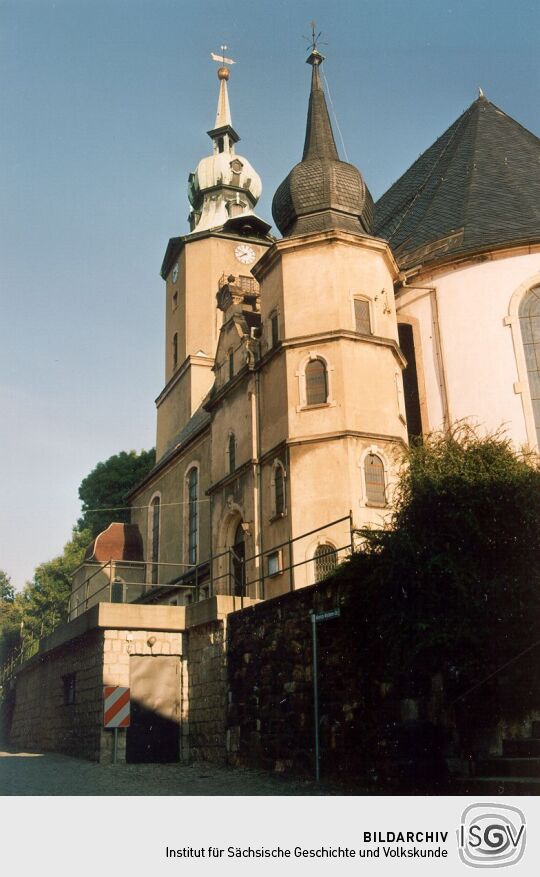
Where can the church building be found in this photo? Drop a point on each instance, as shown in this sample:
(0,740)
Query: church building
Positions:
(298,368)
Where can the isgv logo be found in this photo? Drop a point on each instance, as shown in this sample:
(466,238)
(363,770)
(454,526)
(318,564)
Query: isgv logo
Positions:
(491,835)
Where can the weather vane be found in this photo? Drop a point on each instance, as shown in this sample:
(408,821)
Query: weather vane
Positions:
(314,40)
(221,59)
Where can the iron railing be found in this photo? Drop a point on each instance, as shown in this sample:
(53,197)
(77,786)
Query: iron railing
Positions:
(226,574)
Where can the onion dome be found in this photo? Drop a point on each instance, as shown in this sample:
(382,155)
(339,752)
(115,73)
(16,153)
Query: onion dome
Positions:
(321,192)
(225,184)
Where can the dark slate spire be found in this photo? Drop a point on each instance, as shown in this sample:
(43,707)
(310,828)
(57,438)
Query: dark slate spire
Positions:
(321,192)
(477,187)
(319,142)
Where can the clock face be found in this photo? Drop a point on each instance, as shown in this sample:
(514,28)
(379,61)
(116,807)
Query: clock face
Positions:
(245,254)
(175,273)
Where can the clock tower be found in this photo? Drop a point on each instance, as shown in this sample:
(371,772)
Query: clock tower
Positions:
(226,239)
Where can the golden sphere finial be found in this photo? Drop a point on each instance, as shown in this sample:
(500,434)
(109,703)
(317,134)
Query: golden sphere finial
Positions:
(223,73)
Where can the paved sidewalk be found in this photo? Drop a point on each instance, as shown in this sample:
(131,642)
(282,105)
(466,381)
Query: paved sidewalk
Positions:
(26,773)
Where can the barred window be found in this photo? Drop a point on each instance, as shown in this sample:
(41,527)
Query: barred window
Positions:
(325,557)
(193,514)
(374,474)
(529,319)
(316,382)
(279,489)
(362,316)
(156,509)
(232,453)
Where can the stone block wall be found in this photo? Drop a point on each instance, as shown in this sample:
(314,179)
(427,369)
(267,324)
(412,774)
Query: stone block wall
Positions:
(41,718)
(270,720)
(43,721)
(207,693)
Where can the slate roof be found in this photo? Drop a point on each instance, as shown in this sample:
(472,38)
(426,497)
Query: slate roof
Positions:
(476,187)
(321,192)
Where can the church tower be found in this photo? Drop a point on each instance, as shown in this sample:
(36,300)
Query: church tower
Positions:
(330,334)
(226,238)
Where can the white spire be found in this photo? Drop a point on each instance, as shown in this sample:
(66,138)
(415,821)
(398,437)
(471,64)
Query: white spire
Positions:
(223,114)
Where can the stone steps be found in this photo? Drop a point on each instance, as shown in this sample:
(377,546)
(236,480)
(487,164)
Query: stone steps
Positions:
(515,772)
(509,767)
(527,747)
(495,785)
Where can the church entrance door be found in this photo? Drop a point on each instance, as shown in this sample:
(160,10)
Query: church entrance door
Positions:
(238,562)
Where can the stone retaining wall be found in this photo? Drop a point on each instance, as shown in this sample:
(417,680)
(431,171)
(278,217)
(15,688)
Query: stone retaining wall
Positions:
(41,719)
(97,656)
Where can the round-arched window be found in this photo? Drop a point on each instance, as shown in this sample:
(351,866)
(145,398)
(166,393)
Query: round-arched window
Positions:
(316,382)
(374,475)
(529,320)
(325,557)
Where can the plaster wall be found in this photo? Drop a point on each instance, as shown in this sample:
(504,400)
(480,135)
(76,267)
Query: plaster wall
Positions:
(478,342)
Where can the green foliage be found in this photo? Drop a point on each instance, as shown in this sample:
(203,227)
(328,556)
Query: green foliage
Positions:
(9,617)
(43,603)
(453,585)
(106,488)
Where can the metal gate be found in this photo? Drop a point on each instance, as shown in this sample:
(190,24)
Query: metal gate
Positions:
(154,733)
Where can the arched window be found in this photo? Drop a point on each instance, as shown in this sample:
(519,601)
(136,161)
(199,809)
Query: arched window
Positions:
(155,508)
(232,453)
(316,382)
(374,475)
(230,358)
(238,565)
(529,320)
(279,489)
(193,514)
(175,350)
(325,557)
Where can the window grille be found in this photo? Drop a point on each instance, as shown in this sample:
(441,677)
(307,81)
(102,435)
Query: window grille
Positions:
(325,561)
(362,316)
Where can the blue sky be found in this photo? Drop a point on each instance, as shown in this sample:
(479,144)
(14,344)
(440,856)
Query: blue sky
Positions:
(103,114)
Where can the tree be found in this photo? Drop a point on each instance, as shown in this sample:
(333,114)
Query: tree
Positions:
(44,601)
(106,488)
(452,586)
(9,617)
(7,591)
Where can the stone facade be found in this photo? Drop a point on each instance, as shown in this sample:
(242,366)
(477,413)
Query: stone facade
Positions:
(85,655)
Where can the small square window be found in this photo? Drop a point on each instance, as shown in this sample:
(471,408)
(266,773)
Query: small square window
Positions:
(68,682)
(274,563)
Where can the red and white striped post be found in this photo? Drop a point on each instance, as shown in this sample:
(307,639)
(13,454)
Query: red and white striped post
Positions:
(116,711)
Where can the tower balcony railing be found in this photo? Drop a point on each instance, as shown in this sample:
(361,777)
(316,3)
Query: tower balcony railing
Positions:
(244,282)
